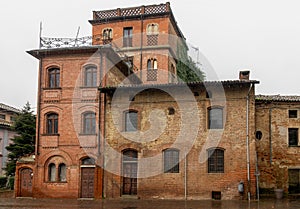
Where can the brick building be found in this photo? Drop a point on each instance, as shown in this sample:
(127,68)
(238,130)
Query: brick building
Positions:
(277,125)
(7,115)
(114,120)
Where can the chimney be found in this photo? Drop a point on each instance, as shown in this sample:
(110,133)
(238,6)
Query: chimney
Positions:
(244,75)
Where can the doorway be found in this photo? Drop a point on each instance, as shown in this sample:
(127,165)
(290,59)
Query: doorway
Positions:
(87,178)
(26,182)
(130,166)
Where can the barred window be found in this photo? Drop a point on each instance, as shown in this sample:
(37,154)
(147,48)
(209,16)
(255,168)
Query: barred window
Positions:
(152,70)
(62,172)
(51,172)
(215,161)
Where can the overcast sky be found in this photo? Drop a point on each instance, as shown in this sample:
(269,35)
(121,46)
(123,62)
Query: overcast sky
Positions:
(260,35)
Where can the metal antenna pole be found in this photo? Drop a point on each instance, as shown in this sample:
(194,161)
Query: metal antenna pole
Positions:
(77,35)
(40,41)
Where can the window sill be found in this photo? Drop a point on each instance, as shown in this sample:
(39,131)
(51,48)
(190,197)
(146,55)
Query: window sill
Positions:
(46,134)
(88,87)
(56,182)
(54,88)
(87,134)
(294,146)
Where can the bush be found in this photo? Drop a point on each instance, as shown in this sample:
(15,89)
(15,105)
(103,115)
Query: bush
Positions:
(3,181)
(11,182)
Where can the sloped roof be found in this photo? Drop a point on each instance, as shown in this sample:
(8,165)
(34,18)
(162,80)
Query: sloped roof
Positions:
(9,108)
(277,98)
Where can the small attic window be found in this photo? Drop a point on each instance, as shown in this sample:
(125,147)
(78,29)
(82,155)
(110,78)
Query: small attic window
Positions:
(293,114)
(208,94)
(171,111)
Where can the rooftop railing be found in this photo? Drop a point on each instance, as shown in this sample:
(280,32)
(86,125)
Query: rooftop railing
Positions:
(132,11)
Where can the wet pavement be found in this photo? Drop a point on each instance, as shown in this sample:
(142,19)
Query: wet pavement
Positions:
(12,203)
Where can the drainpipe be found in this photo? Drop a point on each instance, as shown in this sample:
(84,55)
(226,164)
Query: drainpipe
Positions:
(247,143)
(270,134)
(185,177)
(141,49)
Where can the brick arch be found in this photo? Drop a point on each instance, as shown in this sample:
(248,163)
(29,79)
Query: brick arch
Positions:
(64,155)
(130,146)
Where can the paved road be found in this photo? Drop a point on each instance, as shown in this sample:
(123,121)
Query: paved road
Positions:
(11,203)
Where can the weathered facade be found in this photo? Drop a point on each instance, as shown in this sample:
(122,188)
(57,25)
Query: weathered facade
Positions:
(7,116)
(114,120)
(277,125)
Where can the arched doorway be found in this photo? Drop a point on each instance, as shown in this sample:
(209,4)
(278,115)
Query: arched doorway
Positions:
(26,177)
(87,178)
(129,165)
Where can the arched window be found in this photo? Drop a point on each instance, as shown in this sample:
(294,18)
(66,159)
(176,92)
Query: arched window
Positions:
(107,34)
(89,123)
(62,170)
(171,160)
(53,78)
(152,69)
(215,160)
(131,121)
(88,161)
(51,172)
(90,76)
(52,123)
(152,29)
(215,118)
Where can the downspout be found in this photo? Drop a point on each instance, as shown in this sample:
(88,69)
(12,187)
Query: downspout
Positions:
(101,126)
(185,176)
(39,107)
(247,143)
(270,134)
(141,49)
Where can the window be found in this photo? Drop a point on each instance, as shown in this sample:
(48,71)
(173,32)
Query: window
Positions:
(293,114)
(52,123)
(215,118)
(171,161)
(215,161)
(62,172)
(12,118)
(152,34)
(127,37)
(293,137)
(90,76)
(294,181)
(88,161)
(89,123)
(131,121)
(54,78)
(107,36)
(52,172)
(2,116)
(152,28)
(151,70)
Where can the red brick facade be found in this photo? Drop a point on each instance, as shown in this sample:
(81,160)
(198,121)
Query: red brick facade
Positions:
(114,121)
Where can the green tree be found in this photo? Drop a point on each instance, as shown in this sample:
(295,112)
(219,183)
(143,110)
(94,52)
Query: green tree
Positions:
(24,141)
(187,69)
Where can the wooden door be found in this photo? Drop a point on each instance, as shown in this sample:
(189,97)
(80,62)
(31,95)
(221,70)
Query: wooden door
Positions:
(87,182)
(130,178)
(26,182)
